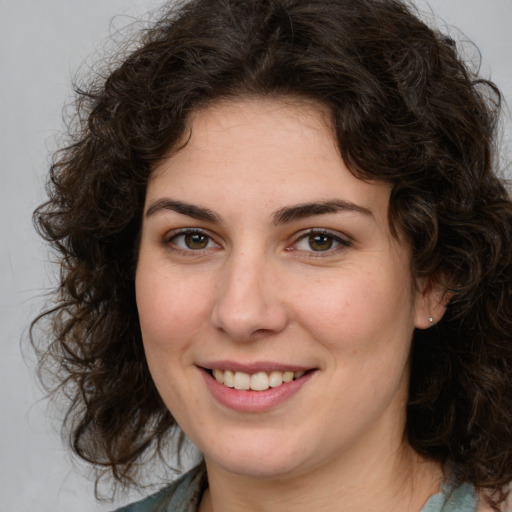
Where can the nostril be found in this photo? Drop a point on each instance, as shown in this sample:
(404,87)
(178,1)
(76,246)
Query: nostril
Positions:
(262,332)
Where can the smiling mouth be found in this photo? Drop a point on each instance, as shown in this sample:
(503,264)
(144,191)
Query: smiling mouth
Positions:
(259,381)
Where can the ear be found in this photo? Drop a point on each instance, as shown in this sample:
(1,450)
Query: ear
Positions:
(431,302)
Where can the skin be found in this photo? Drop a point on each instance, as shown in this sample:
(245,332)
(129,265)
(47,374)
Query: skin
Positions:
(258,288)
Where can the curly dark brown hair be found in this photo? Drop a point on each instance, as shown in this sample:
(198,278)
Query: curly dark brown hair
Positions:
(406,110)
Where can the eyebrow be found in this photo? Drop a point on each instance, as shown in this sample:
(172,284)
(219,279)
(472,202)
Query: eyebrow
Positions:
(281,216)
(301,211)
(191,210)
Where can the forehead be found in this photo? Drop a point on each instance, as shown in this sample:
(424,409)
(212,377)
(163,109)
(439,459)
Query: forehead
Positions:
(253,122)
(253,152)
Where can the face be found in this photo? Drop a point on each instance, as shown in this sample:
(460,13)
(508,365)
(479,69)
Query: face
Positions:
(276,308)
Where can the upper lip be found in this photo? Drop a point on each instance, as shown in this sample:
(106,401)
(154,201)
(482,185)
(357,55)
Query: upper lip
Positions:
(254,367)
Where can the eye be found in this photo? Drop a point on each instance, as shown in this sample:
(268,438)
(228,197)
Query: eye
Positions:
(320,241)
(191,240)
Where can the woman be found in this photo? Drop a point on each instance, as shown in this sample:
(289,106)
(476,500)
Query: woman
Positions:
(281,233)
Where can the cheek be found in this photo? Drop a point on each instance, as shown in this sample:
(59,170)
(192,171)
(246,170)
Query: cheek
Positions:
(170,311)
(358,309)
(170,307)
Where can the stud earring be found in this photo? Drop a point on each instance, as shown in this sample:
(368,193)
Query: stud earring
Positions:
(431,320)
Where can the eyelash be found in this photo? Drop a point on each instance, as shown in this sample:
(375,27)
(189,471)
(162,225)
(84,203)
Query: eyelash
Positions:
(332,239)
(170,240)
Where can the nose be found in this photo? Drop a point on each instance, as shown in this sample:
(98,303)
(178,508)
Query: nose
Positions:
(247,303)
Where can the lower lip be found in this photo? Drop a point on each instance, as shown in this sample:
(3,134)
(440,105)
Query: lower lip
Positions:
(254,401)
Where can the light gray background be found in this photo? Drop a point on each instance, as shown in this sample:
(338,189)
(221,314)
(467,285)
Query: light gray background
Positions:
(42,44)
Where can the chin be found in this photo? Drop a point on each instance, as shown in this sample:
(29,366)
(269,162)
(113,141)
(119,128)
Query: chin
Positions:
(269,469)
(258,459)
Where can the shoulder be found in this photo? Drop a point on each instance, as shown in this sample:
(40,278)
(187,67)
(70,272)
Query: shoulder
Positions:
(463,498)
(183,495)
(466,499)
(450,498)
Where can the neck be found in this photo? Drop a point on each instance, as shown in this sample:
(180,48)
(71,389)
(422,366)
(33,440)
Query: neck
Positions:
(394,482)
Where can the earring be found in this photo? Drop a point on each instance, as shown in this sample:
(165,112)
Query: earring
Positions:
(431,320)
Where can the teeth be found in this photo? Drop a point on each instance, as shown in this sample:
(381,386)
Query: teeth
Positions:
(259,381)
(275,379)
(228,379)
(219,375)
(242,380)
(287,376)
